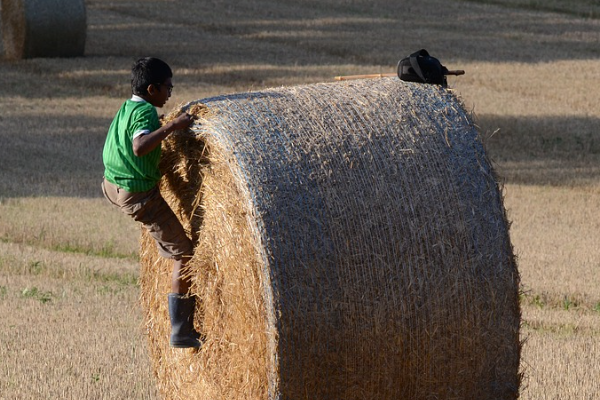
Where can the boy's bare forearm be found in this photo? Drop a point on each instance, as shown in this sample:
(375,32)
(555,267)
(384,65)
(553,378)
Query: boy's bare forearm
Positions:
(144,144)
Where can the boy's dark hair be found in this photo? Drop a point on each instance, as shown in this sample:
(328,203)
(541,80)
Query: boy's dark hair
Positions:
(147,71)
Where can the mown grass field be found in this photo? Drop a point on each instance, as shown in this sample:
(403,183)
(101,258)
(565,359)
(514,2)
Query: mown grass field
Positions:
(71,327)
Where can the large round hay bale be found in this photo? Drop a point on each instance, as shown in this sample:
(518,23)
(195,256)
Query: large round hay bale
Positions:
(351,243)
(43,28)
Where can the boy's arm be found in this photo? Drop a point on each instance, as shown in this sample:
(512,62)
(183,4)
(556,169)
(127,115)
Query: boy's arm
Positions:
(144,144)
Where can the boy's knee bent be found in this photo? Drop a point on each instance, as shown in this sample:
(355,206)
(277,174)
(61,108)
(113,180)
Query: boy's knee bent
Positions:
(176,250)
(170,237)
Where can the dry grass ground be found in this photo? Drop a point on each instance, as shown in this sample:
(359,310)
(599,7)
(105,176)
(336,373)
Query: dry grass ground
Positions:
(68,292)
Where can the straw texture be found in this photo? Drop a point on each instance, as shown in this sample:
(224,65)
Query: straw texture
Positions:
(43,28)
(351,243)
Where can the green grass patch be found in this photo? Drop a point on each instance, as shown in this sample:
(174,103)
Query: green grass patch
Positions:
(37,294)
(567,302)
(122,279)
(106,251)
(57,269)
(35,267)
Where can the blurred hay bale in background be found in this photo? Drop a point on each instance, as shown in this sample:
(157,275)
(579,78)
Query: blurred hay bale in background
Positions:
(43,28)
(351,243)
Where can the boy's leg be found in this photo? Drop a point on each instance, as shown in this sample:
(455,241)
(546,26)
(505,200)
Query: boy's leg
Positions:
(154,213)
(180,280)
(172,241)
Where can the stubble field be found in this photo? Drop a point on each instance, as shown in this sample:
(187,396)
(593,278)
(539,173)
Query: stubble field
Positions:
(71,326)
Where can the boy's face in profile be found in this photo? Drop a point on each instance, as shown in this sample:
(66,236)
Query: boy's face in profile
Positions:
(159,93)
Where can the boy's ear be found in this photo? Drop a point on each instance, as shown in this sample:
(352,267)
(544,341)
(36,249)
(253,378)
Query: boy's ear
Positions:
(151,89)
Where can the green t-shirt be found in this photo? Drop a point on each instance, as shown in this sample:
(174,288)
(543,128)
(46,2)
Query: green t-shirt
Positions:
(121,166)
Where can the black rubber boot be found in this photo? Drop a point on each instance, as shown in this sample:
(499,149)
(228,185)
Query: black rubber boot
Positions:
(181,313)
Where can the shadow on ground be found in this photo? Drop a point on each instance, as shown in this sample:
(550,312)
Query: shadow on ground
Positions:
(544,150)
(68,161)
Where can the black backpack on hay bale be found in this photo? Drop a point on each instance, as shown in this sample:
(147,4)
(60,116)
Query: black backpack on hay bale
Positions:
(423,68)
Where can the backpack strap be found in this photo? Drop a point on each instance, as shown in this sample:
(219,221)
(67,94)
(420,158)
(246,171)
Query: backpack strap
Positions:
(415,64)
